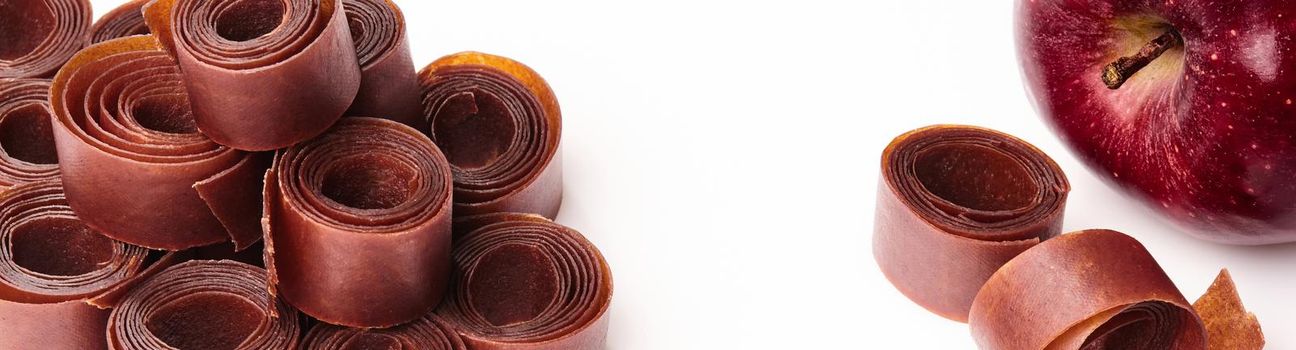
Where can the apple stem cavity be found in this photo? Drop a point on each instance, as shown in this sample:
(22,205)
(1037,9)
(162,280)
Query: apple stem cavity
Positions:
(1116,73)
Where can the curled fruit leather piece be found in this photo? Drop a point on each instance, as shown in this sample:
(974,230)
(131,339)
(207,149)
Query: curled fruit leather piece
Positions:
(499,124)
(261,74)
(203,304)
(521,282)
(388,84)
(123,21)
(37,36)
(26,139)
(954,204)
(1095,289)
(358,224)
(427,333)
(134,165)
(57,275)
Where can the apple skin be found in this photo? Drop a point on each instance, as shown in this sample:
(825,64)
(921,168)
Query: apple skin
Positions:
(1205,134)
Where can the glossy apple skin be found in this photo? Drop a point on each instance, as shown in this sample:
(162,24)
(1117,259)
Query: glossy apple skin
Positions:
(1206,134)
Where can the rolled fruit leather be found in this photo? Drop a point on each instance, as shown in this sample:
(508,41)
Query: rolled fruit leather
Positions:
(134,166)
(954,204)
(204,304)
(57,276)
(123,21)
(1094,289)
(357,224)
(499,124)
(389,85)
(38,36)
(427,333)
(523,282)
(26,139)
(261,74)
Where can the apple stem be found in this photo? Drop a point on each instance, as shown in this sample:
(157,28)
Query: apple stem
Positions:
(1116,73)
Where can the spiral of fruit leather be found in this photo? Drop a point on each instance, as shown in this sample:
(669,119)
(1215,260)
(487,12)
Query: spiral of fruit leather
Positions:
(388,84)
(57,275)
(358,224)
(123,21)
(427,333)
(954,204)
(204,304)
(521,281)
(26,140)
(135,167)
(1095,289)
(37,36)
(499,124)
(262,74)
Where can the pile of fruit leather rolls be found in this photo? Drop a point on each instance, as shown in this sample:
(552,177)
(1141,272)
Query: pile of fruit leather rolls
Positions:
(266,174)
(969,226)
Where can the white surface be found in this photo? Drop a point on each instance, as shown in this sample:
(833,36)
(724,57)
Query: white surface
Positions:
(724,157)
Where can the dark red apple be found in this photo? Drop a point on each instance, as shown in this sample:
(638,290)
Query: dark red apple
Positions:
(1187,104)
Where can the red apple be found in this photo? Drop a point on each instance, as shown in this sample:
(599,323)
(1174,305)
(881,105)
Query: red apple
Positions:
(1187,104)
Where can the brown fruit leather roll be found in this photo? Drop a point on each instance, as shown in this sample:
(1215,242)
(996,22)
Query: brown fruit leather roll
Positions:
(26,139)
(261,74)
(123,21)
(954,204)
(1095,289)
(389,85)
(204,304)
(56,274)
(522,282)
(134,165)
(427,333)
(358,224)
(499,124)
(37,36)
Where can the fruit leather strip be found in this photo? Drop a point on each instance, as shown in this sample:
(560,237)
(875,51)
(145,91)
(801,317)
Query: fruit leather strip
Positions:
(56,274)
(358,224)
(954,204)
(203,304)
(123,21)
(1228,324)
(26,139)
(134,164)
(521,281)
(1095,289)
(499,124)
(389,85)
(427,333)
(37,36)
(262,75)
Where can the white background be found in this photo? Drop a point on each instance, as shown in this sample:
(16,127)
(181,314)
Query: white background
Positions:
(724,157)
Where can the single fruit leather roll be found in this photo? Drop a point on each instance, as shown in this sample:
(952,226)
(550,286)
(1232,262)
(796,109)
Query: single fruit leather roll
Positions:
(388,84)
(123,21)
(134,165)
(358,224)
(37,36)
(955,203)
(427,333)
(262,74)
(57,275)
(1095,289)
(203,304)
(522,282)
(499,124)
(26,139)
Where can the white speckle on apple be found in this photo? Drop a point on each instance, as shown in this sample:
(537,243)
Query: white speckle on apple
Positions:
(1233,31)
(1214,57)
(1289,101)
